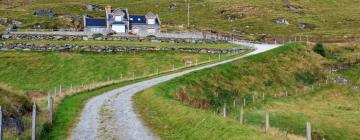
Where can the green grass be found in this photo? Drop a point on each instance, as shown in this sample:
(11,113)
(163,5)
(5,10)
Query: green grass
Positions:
(43,71)
(172,119)
(328,18)
(69,110)
(332,109)
(352,74)
(132,44)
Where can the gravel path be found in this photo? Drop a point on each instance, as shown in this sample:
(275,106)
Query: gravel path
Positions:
(111,115)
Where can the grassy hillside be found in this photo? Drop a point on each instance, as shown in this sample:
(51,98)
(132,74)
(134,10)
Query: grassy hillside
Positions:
(171,119)
(322,17)
(42,72)
(293,69)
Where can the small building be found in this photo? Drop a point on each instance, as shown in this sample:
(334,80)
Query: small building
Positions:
(120,21)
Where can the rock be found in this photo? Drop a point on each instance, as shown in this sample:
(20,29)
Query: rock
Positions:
(44,13)
(91,7)
(15,22)
(58,37)
(282,21)
(172,5)
(5,36)
(85,38)
(302,25)
(99,38)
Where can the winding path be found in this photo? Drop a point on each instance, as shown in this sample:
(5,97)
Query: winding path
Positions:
(111,115)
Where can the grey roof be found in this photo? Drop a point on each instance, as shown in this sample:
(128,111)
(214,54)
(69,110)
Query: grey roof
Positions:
(118,12)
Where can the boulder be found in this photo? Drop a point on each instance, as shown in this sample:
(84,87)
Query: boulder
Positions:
(172,5)
(282,21)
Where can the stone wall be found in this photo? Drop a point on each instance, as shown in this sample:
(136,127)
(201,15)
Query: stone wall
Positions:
(7,46)
(109,37)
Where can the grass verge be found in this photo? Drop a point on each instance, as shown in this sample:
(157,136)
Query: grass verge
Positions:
(172,119)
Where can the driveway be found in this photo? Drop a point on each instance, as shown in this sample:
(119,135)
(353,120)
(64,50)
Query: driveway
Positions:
(111,115)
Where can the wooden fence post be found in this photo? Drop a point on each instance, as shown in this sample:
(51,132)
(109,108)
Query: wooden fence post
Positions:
(253,97)
(244,101)
(224,110)
(51,113)
(71,87)
(33,123)
(267,123)
(263,97)
(234,103)
(242,115)
(121,76)
(1,125)
(308,131)
(60,92)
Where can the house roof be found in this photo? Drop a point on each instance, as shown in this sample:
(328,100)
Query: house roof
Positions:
(95,22)
(136,19)
(120,12)
(150,15)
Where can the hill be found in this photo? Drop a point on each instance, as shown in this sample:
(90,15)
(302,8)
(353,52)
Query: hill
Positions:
(320,19)
(293,79)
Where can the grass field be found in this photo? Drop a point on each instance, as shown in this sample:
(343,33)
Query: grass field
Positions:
(323,17)
(294,68)
(131,44)
(42,72)
(172,119)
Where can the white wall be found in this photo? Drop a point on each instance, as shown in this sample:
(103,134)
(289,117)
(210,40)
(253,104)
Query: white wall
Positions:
(118,28)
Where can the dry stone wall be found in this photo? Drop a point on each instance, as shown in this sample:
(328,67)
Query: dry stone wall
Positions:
(8,46)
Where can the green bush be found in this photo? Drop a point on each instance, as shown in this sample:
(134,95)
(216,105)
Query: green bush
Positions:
(319,49)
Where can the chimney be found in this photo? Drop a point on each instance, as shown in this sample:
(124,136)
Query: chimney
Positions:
(107,12)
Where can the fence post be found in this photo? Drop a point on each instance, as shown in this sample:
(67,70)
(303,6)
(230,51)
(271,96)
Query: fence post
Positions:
(173,67)
(60,92)
(234,103)
(253,97)
(71,87)
(51,110)
(267,123)
(33,123)
(244,101)
(224,110)
(308,131)
(121,76)
(263,96)
(242,115)
(1,126)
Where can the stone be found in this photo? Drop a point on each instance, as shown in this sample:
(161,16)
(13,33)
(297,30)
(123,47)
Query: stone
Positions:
(282,21)
(58,37)
(91,7)
(85,38)
(5,36)
(44,13)
(302,25)
(172,5)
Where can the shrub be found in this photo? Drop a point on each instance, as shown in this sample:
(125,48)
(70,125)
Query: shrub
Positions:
(319,49)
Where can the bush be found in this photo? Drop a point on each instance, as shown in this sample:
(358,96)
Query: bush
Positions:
(319,49)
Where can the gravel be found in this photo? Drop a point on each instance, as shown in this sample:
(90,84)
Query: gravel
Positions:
(111,115)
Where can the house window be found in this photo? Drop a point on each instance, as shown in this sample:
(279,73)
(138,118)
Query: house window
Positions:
(151,21)
(118,18)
